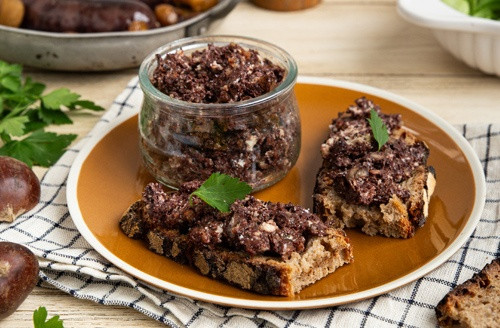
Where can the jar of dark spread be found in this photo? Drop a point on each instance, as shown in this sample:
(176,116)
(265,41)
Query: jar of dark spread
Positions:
(219,104)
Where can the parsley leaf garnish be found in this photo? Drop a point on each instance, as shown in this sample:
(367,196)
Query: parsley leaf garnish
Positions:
(221,190)
(40,319)
(25,111)
(379,129)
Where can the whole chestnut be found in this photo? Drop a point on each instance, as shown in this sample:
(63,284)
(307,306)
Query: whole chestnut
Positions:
(19,188)
(18,276)
(11,12)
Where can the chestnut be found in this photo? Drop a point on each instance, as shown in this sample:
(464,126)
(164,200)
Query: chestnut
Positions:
(19,188)
(18,276)
(11,12)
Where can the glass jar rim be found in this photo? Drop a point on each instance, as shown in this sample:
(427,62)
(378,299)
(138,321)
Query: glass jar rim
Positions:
(199,42)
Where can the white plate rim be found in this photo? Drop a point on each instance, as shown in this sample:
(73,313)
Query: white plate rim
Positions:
(478,206)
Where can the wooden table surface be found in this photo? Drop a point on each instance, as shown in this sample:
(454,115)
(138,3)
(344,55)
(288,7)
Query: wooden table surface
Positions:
(363,41)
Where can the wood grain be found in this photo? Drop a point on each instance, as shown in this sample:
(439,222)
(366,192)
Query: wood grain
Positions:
(361,41)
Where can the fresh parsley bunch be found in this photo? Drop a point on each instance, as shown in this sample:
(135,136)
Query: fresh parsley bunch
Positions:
(25,111)
(479,8)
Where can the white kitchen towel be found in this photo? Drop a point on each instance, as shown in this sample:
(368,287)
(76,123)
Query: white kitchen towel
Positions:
(69,263)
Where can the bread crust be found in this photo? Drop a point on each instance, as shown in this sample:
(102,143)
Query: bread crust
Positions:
(261,274)
(475,302)
(394,219)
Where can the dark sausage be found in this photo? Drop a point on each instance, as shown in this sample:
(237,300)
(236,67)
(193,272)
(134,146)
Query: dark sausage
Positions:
(153,3)
(195,5)
(85,16)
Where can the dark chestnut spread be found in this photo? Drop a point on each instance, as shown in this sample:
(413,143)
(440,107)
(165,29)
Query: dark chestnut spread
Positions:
(258,144)
(361,173)
(252,225)
(216,75)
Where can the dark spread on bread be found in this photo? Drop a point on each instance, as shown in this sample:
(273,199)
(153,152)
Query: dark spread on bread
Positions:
(252,225)
(217,74)
(268,248)
(361,173)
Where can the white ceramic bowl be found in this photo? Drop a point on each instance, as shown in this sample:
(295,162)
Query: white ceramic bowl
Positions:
(475,41)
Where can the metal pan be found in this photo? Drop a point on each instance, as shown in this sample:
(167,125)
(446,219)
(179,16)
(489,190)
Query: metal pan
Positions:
(98,51)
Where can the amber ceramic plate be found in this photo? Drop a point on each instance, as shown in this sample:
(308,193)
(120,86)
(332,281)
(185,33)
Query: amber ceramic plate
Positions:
(107,177)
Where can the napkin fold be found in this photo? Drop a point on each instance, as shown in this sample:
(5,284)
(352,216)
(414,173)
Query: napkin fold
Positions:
(69,263)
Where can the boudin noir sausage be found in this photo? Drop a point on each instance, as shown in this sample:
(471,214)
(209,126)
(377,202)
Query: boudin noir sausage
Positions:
(152,3)
(86,16)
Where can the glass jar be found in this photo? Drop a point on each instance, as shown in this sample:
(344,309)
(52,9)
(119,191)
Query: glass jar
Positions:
(256,140)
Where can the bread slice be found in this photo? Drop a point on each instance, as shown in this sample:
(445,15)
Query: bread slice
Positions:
(262,272)
(394,200)
(394,219)
(474,303)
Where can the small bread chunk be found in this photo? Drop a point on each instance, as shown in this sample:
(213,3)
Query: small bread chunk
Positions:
(381,191)
(474,303)
(269,248)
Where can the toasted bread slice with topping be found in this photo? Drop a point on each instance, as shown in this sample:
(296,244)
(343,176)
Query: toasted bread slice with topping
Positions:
(382,191)
(268,248)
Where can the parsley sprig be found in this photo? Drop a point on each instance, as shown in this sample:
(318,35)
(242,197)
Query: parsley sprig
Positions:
(221,190)
(379,129)
(25,112)
(40,319)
